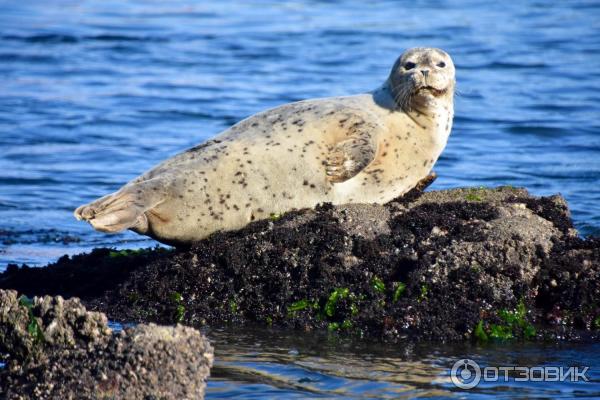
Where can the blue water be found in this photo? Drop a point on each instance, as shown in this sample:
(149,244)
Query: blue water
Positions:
(267,363)
(93,93)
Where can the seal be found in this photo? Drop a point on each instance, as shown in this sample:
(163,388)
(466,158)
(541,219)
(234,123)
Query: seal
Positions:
(367,148)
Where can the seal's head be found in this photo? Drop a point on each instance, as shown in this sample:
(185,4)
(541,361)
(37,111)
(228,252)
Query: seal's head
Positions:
(421,78)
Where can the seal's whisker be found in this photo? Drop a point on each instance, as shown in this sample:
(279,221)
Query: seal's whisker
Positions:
(403,95)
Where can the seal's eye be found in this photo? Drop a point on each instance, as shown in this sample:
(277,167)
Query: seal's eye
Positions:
(441,64)
(409,65)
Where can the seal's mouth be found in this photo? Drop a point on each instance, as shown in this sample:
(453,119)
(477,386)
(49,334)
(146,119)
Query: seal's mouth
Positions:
(434,91)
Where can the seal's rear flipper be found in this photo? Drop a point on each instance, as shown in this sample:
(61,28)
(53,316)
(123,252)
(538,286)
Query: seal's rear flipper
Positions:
(115,212)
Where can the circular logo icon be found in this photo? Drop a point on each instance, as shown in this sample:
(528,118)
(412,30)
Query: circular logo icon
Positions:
(465,374)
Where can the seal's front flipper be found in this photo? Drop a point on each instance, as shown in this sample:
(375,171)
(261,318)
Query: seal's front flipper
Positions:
(125,209)
(426,182)
(350,156)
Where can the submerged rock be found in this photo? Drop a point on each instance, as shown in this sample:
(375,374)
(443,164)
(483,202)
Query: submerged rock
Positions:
(55,349)
(447,265)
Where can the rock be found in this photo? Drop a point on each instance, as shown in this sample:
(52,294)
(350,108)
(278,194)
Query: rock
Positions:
(457,264)
(29,327)
(58,350)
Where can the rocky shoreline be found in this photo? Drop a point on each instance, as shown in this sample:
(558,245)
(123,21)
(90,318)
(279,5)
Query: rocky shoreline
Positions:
(56,349)
(462,264)
(465,264)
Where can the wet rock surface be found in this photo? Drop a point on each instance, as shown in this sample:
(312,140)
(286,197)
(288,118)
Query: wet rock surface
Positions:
(55,349)
(462,264)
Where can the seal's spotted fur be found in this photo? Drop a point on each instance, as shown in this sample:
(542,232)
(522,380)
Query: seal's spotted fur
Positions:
(368,148)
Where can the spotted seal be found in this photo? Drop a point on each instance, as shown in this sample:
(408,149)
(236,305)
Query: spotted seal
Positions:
(367,148)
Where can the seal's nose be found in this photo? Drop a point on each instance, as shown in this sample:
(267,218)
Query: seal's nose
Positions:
(425,72)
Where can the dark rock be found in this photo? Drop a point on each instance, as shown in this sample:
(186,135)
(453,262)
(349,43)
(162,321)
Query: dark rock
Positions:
(55,349)
(445,265)
(569,286)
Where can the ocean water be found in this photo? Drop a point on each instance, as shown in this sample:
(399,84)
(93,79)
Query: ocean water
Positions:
(94,93)
(267,363)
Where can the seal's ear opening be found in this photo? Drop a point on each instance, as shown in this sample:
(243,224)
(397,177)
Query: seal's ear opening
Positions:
(396,67)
